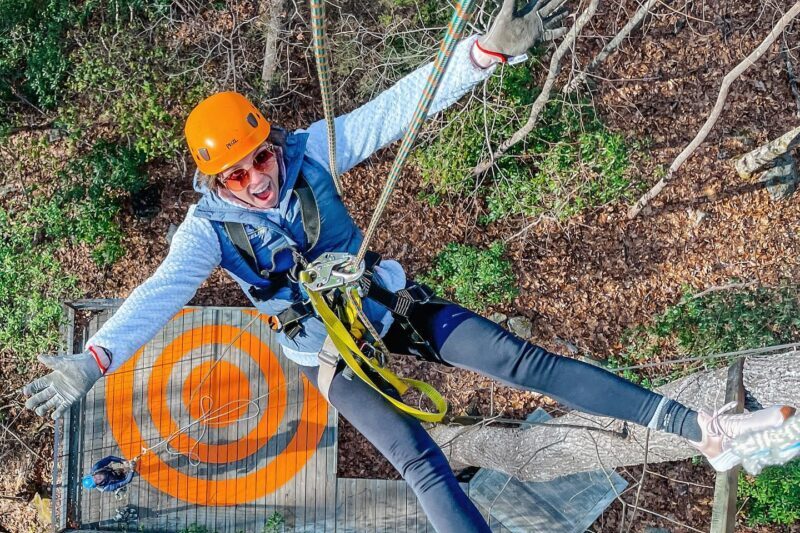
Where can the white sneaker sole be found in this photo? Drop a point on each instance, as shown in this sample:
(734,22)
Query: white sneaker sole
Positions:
(725,461)
(769,450)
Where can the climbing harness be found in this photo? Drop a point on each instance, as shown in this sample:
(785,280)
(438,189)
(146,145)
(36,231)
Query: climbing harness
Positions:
(332,281)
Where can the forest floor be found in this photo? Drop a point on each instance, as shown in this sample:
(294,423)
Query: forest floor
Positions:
(583,281)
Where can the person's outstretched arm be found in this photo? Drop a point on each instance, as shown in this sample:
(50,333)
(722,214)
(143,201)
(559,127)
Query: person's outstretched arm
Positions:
(193,254)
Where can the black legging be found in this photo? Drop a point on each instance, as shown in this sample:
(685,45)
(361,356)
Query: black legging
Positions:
(467,340)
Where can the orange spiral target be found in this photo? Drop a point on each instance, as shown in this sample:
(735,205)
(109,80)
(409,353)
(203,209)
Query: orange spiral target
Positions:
(248,410)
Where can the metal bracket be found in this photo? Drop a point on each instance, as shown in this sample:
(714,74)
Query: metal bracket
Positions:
(332,270)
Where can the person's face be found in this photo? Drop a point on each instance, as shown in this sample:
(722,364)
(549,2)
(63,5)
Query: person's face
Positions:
(255,178)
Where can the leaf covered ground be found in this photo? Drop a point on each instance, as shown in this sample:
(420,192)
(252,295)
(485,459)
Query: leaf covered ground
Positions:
(583,281)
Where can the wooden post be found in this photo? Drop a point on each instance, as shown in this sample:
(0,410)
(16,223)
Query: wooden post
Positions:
(723,517)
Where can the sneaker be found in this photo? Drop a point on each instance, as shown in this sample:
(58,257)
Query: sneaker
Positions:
(721,427)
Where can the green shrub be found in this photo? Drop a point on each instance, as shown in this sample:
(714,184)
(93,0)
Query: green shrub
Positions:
(274,523)
(773,497)
(475,278)
(568,163)
(32,285)
(129,89)
(33,54)
(35,44)
(108,170)
(83,204)
(718,322)
(85,208)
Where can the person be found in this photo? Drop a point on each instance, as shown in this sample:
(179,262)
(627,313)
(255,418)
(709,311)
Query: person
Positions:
(252,220)
(109,474)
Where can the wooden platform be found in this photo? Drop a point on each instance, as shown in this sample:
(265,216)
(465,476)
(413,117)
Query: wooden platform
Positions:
(275,453)
(271,447)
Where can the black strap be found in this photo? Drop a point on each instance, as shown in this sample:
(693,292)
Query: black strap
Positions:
(309,210)
(289,319)
(238,236)
(400,303)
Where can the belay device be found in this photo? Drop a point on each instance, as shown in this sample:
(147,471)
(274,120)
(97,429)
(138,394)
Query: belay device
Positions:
(333,286)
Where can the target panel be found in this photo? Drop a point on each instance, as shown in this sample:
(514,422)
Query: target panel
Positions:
(247,434)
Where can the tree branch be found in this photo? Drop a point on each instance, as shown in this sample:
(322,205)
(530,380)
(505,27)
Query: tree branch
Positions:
(771,379)
(767,155)
(544,96)
(726,287)
(612,45)
(715,113)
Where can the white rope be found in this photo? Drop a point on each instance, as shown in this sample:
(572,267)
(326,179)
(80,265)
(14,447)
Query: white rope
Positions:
(210,416)
(209,413)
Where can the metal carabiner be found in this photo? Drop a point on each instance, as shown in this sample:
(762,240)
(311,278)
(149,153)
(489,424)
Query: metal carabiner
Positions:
(332,270)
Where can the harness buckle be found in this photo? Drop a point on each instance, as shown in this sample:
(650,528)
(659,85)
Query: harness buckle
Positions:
(332,270)
(410,296)
(371,351)
(327,358)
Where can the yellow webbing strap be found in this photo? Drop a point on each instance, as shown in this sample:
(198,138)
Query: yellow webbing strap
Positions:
(351,354)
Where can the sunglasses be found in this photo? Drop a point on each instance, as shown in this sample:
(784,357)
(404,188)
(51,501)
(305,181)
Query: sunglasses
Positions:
(239,179)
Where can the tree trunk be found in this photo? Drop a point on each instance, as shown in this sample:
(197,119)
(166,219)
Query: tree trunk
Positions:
(766,155)
(270,12)
(548,451)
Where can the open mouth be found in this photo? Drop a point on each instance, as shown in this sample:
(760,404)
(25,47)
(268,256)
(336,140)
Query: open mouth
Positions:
(264,193)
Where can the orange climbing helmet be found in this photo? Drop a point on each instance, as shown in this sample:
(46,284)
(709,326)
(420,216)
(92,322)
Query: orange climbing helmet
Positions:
(222,129)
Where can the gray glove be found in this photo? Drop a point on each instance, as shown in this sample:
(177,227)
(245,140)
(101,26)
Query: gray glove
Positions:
(72,377)
(513,32)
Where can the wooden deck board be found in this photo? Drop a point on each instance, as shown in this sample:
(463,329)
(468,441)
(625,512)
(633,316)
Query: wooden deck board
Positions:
(381,505)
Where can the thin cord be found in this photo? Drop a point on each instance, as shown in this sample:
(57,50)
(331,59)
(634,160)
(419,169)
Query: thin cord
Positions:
(792,347)
(209,415)
(320,40)
(462,12)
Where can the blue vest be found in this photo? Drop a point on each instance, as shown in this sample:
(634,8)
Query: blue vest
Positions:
(275,233)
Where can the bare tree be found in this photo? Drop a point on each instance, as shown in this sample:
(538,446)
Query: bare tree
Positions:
(737,71)
(577,442)
(767,154)
(270,12)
